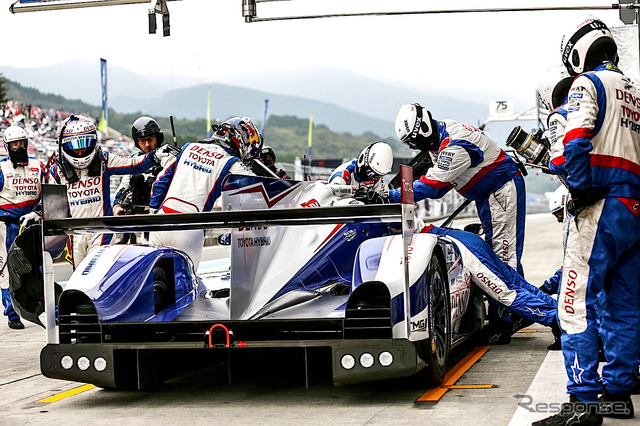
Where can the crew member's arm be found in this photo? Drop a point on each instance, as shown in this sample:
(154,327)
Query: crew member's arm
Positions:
(453,160)
(582,113)
(121,165)
(343,174)
(557,124)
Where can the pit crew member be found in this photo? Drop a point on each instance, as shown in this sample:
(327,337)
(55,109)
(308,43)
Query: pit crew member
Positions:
(134,192)
(552,94)
(20,179)
(268,158)
(85,170)
(471,162)
(374,161)
(194,181)
(498,281)
(602,154)
(134,196)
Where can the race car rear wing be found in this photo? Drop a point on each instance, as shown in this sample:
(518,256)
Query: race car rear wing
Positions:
(55,222)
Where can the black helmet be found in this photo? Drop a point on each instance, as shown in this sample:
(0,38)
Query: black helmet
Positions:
(267,152)
(146,126)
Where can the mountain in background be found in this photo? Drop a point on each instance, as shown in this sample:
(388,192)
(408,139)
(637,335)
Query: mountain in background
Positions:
(289,136)
(342,100)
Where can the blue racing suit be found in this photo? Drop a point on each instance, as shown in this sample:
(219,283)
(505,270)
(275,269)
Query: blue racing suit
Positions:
(473,164)
(499,282)
(602,256)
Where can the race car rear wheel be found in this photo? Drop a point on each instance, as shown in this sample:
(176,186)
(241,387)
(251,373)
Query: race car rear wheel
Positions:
(437,353)
(162,295)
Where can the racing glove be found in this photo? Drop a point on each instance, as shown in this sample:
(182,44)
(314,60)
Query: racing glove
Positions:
(475,228)
(369,196)
(582,198)
(164,151)
(29,219)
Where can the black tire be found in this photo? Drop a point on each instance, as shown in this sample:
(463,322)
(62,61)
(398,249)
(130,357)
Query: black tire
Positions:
(161,293)
(439,345)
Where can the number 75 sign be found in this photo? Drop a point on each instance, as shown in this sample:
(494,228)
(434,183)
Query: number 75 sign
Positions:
(500,108)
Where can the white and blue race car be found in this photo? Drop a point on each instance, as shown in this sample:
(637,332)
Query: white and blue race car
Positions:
(310,270)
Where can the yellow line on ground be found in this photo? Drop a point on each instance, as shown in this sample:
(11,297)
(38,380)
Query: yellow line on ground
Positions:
(527,331)
(470,386)
(434,394)
(67,394)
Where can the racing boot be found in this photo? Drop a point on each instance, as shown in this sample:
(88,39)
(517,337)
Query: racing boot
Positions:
(557,344)
(519,323)
(16,324)
(575,412)
(498,333)
(616,406)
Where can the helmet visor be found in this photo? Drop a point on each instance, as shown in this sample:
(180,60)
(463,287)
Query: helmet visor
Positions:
(17,144)
(79,142)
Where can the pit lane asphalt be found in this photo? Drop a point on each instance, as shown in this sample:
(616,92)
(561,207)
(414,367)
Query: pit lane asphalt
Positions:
(274,392)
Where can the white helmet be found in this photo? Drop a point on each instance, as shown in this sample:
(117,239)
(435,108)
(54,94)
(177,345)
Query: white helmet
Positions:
(75,133)
(416,128)
(554,87)
(557,202)
(587,45)
(13,134)
(17,155)
(375,160)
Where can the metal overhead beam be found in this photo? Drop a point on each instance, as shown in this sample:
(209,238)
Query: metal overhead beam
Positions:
(36,6)
(249,11)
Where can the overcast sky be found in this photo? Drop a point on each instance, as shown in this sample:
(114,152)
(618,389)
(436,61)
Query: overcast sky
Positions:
(479,56)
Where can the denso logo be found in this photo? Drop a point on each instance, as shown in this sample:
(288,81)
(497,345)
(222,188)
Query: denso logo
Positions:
(569,292)
(490,284)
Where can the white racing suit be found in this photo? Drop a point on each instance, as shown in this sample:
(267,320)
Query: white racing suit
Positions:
(19,194)
(473,164)
(90,195)
(602,256)
(192,184)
